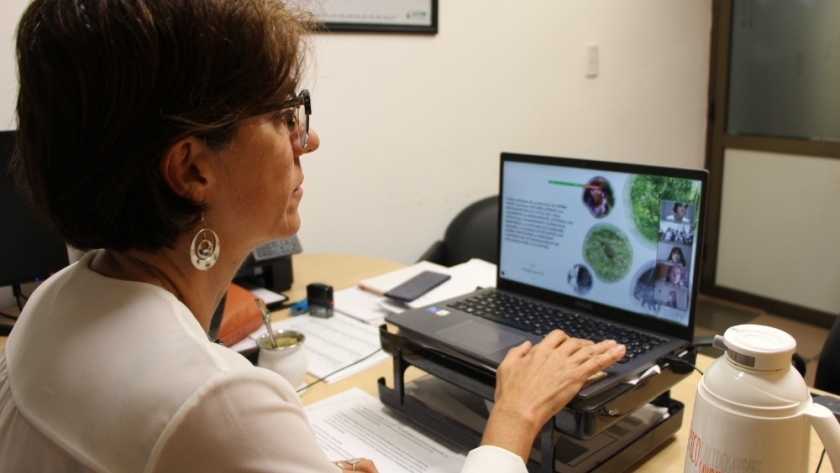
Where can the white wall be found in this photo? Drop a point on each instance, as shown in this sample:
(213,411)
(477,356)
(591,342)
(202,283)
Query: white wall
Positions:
(778,217)
(10,12)
(411,126)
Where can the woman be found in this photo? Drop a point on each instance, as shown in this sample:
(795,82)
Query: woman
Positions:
(598,197)
(676,275)
(165,136)
(679,214)
(672,300)
(676,257)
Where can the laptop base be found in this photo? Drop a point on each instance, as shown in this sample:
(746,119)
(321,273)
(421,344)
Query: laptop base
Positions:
(453,402)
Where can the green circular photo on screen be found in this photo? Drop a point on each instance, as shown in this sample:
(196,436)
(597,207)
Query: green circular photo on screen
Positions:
(645,195)
(608,252)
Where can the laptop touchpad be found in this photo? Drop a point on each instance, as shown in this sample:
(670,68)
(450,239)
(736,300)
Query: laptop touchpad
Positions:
(479,337)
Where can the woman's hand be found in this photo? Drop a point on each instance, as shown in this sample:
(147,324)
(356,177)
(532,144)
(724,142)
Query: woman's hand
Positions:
(534,382)
(357,464)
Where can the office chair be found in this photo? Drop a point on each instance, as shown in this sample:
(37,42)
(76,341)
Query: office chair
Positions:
(471,234)
(827,377)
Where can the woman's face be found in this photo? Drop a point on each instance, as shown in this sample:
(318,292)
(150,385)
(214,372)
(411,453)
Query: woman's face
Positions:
(676,273)
(262,179)
(597,196)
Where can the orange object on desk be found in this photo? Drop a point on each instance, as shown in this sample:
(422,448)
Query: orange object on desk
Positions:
(241,315)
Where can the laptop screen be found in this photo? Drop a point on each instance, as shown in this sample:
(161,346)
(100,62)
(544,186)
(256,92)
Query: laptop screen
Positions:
(615,239)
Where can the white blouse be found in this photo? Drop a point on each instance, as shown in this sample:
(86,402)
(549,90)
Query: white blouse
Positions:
(106,375)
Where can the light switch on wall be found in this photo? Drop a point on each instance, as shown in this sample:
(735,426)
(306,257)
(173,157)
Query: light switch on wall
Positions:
(592,60)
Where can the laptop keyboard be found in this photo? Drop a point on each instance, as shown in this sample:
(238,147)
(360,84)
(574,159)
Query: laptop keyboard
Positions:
(540,319)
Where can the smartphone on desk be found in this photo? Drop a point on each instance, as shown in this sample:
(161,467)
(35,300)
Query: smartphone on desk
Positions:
(417,286)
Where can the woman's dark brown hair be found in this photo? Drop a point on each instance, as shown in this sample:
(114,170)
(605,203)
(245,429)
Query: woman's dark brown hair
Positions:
(107,86)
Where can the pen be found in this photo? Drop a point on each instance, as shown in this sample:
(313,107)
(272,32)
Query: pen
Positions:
(267,319)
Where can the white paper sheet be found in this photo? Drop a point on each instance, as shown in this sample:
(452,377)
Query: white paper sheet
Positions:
(360,304)
(381,284)
(355,424)
(466,277)
(366,305)
(330,343)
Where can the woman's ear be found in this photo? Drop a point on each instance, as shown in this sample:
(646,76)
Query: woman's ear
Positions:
(187,169)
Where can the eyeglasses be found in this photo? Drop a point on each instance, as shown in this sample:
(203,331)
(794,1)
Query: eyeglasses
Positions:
(302,103)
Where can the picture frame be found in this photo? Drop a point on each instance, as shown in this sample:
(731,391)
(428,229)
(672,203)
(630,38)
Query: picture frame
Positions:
(378,16)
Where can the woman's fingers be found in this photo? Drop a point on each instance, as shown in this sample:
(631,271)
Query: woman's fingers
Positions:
(366,466)
(363,465)
(601,355)
(578,358)
(554,339)
(576,348)
(518,351)
(593,357)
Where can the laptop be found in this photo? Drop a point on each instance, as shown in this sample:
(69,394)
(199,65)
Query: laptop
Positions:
(598,249)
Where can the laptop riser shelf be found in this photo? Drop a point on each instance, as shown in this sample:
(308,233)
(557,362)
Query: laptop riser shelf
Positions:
(580,425)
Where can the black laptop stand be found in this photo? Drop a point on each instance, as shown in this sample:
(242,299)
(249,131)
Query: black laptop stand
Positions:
(605,434)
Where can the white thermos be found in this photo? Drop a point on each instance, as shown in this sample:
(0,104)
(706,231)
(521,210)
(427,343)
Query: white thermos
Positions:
(753,412)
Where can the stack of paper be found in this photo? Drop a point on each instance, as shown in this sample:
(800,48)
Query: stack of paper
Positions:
(355,424)
(381,284)
(365,302)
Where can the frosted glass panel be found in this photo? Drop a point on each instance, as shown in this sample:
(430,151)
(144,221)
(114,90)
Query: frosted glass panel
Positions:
(778,229)
(785,69)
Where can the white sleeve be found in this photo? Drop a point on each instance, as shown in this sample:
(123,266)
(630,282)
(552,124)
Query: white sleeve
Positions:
(491,458)
(252,423)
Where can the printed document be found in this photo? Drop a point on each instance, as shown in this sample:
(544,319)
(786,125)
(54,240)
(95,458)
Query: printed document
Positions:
(355,424)
(331,344)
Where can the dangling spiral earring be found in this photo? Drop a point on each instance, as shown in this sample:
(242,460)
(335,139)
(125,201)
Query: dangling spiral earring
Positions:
(204,250)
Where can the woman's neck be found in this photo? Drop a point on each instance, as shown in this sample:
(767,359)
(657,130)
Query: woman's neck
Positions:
(200,291)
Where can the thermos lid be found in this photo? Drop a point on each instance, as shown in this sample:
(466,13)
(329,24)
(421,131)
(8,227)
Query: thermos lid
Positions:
(757,347)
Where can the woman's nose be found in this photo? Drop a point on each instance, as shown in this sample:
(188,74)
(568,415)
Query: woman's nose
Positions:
(313,142)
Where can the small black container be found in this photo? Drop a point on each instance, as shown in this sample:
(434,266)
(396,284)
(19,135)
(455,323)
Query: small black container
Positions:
(319,297)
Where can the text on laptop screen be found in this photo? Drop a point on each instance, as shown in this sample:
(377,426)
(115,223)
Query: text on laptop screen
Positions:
(622,240)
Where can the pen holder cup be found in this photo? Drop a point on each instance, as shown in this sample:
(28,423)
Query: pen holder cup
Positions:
(289,359)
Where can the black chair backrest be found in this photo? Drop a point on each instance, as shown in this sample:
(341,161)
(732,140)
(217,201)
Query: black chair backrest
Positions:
(828,368)
(473,233)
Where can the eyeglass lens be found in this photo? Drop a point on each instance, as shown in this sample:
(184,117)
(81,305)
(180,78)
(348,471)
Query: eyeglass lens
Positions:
(303,125)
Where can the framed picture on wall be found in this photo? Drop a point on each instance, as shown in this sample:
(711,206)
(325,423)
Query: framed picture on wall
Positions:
(377,16)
